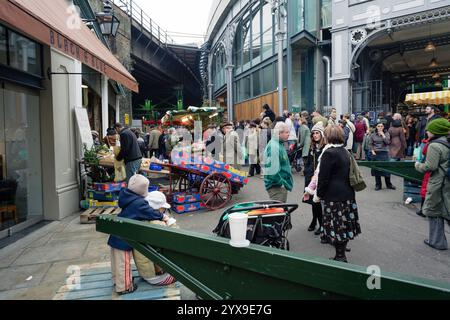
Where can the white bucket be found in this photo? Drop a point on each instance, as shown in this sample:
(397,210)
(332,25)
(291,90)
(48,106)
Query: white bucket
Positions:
(238,230)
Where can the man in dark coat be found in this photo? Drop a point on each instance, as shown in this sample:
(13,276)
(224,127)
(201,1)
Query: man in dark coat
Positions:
(424,121)
(129,150)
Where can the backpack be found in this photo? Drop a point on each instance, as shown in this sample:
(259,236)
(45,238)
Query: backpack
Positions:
(447,144)
(356,180)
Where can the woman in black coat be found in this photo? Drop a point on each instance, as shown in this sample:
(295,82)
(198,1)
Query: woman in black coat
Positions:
(340,212)
(267,112)
(311,163)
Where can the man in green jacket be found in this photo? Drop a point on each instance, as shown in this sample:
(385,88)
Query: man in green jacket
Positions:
(437,199)
(277,169)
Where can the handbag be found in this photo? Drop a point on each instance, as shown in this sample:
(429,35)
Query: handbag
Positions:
(356,180)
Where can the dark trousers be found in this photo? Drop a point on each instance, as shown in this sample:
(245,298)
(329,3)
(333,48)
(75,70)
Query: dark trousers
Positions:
(154,152)
(378,181)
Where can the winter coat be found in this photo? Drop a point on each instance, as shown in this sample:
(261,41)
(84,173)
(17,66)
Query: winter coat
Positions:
(232,151)
(305,140)
(351,135)
(334,182)
(398,140)
(129,148)
(292,134)
(437,200)
(134,207)
(378,143)
(270,114)
(153,142)
(252,142)
(277,168)
(360,131)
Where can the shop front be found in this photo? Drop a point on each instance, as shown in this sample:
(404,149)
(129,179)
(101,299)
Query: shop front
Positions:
(42,65)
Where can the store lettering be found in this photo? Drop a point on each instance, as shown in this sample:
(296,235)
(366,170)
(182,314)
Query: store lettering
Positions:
(76,51)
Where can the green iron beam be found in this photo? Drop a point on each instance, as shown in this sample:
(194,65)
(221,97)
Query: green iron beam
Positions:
(213,269)
(404,169)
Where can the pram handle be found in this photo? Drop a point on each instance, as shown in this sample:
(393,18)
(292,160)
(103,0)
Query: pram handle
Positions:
(270,204)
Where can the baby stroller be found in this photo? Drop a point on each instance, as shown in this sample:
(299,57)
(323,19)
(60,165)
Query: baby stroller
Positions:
(268,222)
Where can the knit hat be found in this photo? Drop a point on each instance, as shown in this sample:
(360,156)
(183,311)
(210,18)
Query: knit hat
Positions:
(139,185)
(157,200)
(439,127)
(318,127)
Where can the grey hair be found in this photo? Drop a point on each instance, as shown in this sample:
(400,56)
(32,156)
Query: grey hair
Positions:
(281,127)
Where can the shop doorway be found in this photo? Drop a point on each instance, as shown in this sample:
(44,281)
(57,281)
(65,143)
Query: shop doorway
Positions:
(20,159)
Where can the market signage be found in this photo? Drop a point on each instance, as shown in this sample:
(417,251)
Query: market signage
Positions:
(63,44)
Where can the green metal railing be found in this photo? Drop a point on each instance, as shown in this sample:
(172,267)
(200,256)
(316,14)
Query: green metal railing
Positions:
(213,269)
(404,169)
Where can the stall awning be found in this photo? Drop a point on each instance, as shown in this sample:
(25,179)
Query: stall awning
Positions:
(436,98)
(53,23)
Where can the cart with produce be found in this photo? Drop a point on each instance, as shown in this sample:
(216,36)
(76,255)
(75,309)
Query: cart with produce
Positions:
(198,182)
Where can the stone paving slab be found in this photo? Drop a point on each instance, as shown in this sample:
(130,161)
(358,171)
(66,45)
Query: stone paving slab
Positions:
(16,277)
(52,252)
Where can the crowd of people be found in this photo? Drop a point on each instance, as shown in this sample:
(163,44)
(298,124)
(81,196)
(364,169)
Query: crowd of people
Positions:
(327,148)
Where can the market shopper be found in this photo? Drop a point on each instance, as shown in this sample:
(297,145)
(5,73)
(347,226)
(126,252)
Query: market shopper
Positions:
(431,114)
(397,147)
(153,143)
(278,179)
(268,113)
(304,138)
(379,147)
(129,150)
(252,145)
(437,199)
(340,211)
(232,152)
(111,137)
(311,165)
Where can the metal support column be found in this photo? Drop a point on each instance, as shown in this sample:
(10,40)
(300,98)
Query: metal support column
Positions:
(278,6)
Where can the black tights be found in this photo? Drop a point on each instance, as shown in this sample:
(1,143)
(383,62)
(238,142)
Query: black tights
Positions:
(317,214)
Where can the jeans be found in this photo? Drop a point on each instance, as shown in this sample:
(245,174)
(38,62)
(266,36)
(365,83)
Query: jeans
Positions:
(133,167)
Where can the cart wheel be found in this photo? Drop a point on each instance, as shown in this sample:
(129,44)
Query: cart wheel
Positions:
(215,191)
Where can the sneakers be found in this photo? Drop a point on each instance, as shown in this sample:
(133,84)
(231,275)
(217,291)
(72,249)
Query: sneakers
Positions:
(163,280)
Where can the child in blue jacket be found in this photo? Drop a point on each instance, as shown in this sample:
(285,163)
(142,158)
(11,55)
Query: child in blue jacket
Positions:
(134,206)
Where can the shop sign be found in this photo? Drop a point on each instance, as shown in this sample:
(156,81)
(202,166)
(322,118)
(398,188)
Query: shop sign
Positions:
(63,44)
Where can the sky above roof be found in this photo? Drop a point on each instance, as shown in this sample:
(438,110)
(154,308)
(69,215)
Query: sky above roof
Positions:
(184,20)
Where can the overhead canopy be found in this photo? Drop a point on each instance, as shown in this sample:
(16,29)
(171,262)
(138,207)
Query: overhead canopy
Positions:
(435,98)
(54,23)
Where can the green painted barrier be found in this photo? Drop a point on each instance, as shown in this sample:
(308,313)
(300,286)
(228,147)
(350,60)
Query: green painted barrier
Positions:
(213,269)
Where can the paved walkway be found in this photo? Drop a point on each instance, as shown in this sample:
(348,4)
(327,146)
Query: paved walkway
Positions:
(38,265)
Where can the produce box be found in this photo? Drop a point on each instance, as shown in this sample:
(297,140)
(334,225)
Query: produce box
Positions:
(102,195)
(184,198)
(86,204)
(111,186)
(185,208)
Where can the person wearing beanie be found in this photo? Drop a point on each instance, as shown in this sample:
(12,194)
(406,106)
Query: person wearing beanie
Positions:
(134,206)
(311,164)
(437,199)
(149,271)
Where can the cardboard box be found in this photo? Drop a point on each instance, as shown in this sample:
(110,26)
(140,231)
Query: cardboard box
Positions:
(103,195)
(185,208)
(184,198)
(111,186)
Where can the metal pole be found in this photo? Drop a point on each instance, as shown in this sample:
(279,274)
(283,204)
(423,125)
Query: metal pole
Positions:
(280,35)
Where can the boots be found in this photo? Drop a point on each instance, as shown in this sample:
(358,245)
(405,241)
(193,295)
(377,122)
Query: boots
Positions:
(340,252)
(377,183)
(389,184)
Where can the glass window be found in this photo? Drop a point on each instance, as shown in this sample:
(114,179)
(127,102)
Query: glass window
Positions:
(267,17)
(268,78)
(20,150)
(256,83)
(256,25)
(3,46)
(326,14)
(302,78)
(311,16)
(25,54)
(244,88)
(246,50)
(267,44)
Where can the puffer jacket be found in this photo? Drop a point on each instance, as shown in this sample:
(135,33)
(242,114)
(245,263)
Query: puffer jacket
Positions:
(437,200)
(133,207)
